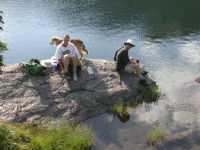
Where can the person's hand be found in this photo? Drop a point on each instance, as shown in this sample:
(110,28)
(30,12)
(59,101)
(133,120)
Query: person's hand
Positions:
(132,60)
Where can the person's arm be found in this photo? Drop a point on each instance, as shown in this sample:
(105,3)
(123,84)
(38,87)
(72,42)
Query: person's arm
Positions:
(133,61)
(116,53)
(58,56)
(126,59)
(115,57)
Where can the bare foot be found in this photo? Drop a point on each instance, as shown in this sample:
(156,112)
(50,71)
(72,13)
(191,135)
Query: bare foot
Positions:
(64,71)
(74,77)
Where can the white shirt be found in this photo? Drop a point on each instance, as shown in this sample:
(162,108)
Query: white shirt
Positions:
(71,50)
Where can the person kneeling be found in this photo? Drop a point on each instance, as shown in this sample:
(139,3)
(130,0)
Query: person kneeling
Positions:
(126,64)
(66,53)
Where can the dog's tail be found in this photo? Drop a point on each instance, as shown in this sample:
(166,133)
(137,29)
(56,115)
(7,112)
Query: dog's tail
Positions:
(84,50)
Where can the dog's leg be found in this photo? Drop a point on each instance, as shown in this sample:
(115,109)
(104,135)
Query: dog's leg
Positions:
(81,56)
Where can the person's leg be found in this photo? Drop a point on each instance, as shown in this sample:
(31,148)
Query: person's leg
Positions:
(74,64)
(65,61)
(133,68)
(138,69)
(60,61)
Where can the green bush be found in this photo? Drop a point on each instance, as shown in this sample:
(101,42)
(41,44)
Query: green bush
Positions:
(3,46)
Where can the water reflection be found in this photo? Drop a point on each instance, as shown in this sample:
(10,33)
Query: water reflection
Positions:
(102,25)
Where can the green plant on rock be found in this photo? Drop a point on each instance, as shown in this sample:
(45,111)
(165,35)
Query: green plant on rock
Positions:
(148,95)
(3,46)
(120,109)
(155,135)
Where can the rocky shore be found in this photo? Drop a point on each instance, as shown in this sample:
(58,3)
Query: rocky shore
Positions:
(25,98)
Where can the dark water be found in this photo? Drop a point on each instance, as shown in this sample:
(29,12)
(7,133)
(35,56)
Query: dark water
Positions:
(166,35)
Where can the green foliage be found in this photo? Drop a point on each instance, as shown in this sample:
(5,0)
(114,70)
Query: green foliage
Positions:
(1,19)
(155,135)
(7,139)
(63,138)
(3,46)
(28,136)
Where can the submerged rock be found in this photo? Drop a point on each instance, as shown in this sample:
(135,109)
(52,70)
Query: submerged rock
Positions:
(197,79)
(24,98)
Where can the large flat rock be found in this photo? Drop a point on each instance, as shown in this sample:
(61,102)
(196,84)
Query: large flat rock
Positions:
(24,97)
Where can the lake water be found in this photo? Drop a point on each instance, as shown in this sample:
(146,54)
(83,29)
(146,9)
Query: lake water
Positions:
(167,39)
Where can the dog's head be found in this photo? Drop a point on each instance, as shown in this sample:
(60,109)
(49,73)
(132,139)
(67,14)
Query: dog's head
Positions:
(55,41)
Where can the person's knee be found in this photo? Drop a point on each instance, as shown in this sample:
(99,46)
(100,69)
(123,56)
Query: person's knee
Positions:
(66,56)
(136,66)
(74,58)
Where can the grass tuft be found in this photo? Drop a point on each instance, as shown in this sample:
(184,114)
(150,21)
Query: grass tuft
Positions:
(7,139)
(155,135)
(118,108)
(149,94)
(28,136)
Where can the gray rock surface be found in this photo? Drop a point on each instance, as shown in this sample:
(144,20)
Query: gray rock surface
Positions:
(24,98)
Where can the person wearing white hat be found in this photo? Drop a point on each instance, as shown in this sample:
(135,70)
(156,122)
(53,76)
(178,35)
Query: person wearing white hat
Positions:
(126,64)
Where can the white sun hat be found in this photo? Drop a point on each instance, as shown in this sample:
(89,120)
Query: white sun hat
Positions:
(129,41)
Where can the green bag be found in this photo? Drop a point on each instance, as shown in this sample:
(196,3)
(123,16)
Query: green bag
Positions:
(33,66)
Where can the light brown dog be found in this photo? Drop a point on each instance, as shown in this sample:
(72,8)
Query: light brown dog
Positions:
(77,42)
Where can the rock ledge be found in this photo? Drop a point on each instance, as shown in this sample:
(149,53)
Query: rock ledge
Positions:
(24,98)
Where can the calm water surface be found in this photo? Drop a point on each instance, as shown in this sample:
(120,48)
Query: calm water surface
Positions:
(166,34)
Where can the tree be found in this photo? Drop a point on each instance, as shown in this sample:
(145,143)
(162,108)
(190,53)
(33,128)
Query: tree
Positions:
(3,46)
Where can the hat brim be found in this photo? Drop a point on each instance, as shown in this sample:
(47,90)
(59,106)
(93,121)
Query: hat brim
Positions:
(130,44)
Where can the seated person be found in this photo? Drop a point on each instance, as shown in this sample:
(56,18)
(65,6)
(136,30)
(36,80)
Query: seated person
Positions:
(126,64)
(66,53)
